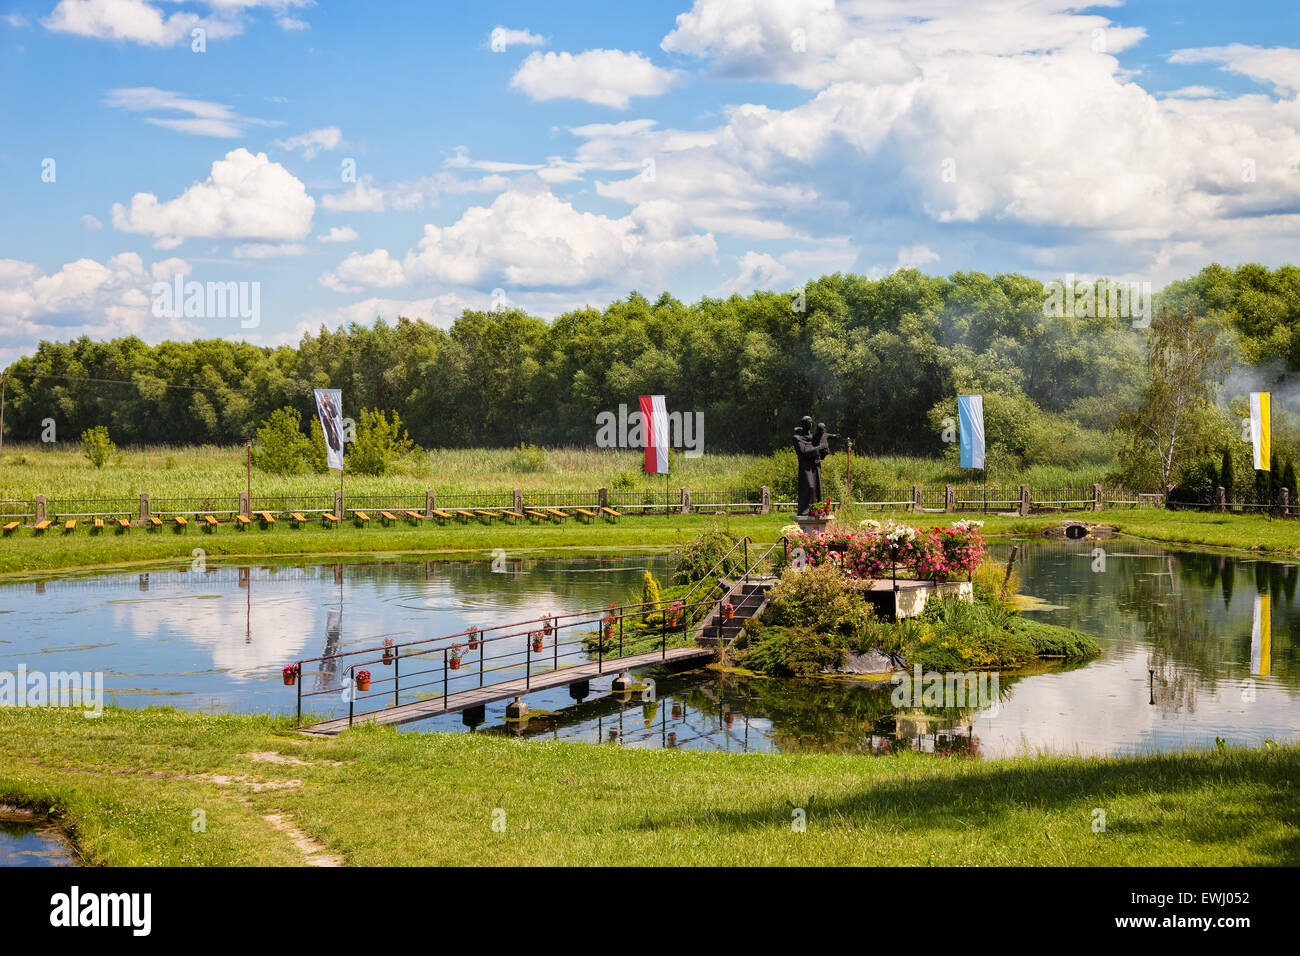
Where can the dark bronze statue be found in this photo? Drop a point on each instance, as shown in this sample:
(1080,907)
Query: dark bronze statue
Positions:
(811,445)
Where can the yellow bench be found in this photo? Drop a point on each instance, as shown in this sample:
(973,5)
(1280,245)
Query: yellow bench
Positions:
(242,522)
(99,524)
(442,516)
(388,517)
(328,516)
(361,516)
(415,516)
(484,513)
(298,519)
(41,525)
(557,514)
(610,513)
(513,515)
(209,522)
(463,514)
(266,518)
(69,525)
(181,523)
(123,524)
(584,513)
(155,522)
(11,526)
(536,515)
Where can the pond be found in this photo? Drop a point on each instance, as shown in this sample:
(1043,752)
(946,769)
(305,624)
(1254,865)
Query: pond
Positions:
(1195,646)
(26,840)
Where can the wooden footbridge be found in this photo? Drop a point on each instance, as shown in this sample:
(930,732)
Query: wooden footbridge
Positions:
(415,680)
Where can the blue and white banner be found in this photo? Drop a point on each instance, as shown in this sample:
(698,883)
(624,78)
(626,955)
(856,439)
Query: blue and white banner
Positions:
(329,406)
(970,419)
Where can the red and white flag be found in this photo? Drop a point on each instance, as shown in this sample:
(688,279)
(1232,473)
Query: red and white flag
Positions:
(654,421)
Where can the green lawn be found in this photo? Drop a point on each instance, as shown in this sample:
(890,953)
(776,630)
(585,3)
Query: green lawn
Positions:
(127,786)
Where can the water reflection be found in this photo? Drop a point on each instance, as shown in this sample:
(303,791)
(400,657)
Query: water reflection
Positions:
(1194,646)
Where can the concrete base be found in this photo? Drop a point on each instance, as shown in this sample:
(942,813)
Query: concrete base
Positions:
(810,525)
(623,682)
(517,709)
(909,600)
(580,690)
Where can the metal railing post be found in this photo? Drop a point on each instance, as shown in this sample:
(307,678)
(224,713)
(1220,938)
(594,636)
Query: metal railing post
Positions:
(352,692)
(444,680)
(397,673)
(528,663)
(299,683)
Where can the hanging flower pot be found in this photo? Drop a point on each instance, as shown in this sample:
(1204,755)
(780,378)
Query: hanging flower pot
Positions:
(388,652)
(472,630)
(677,711)
(674,613)
(537,641)
(454,655)
(290,674)
(728,611)
(363,680)
(548,628)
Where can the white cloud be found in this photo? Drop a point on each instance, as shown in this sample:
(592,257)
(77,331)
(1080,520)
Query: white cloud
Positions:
(605,77)
(440,310)
(339,234)
(502,38)
(913,257)
(268,250)
(91,223)
(246,197)
(14,20)
(101,300)
(1278,67)
(376,270)
(203,118)
(758,270)
(362,197)
(139,21)
(313,141)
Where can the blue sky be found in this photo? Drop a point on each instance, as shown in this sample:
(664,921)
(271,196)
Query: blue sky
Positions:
(701,147)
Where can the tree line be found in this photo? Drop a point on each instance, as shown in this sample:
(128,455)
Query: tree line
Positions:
(880,360)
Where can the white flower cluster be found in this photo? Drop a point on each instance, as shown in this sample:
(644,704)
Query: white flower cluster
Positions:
(966,524)
(791,529)
(870,524)
(896,534)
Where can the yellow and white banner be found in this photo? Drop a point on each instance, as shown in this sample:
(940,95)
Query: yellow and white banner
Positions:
(1260,430)
(1261,638)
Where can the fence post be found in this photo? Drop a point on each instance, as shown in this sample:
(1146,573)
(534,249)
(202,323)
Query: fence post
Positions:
(338,505)
(686,500)
(949,499)
(430,502)
(1286,502)
(1024,499)
(1096,498)
(40,508)
(602,498)
(144,507)
(916,499)
(765,498)
(1220,499)
(245,505)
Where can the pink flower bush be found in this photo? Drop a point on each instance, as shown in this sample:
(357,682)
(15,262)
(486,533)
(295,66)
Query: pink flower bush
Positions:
(935,554)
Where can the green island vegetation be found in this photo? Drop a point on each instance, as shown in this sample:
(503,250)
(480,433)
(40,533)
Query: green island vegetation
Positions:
(125,787)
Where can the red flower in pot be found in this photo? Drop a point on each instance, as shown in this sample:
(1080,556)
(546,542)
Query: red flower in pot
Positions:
(290,673)
(674,613)
(548,627)
(728,611)
(363,679)
(454,655)
(388,651)
(472,633)
(536,638)
(607,626)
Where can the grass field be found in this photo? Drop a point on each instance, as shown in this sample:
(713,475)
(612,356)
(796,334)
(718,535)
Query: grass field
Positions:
(131,785)
(23,552)
(62,471)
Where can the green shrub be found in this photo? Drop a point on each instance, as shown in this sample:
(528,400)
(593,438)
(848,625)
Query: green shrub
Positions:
(791,651)
(1051,640)
(529,459)
(820,598)
(623,481)
(649,596)
(992,584)
(379,445)
(97,446)
(696,559)
(281,448)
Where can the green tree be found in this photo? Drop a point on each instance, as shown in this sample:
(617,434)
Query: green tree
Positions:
(1186,363)
(281,448)
(97,446)
(380,443)
(1226,478)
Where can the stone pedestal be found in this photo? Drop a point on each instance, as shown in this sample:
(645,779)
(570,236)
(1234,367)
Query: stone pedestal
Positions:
(810,525)
(623,682)
(517,709)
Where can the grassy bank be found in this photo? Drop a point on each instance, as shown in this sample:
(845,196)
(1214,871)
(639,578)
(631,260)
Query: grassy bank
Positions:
(129,787)
(62,471)
(23,552)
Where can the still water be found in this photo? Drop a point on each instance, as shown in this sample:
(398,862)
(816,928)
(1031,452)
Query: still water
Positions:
(1195,647)
(28,842)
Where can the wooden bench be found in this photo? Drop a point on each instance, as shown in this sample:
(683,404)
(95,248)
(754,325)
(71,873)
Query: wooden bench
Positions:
(442,517)
(557,514)
(181,523)
(489,516)
(41,526)
(328,517)
(361,518)
(123,525)
(99,524)
(11,527)
(583,513)
(464,515)
(297,518)
(242,522)
(414,516)
(154,523)
(69,525)
(266,518)
(535,515)
(610,513)
(209,522)
(388,517)
(513,515)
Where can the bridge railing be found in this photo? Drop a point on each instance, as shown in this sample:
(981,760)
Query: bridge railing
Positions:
(482,657)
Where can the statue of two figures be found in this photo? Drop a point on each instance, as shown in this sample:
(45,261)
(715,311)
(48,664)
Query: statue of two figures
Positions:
(811,445)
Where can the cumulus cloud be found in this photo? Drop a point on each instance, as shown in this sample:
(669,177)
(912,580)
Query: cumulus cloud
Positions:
(91,223)
(758,270)
(362,197)
(605,77)
(502,38)
(199,117)
(313,141)
(376,270)
(246,197)
(85,297)
(339,234)
(145,23)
